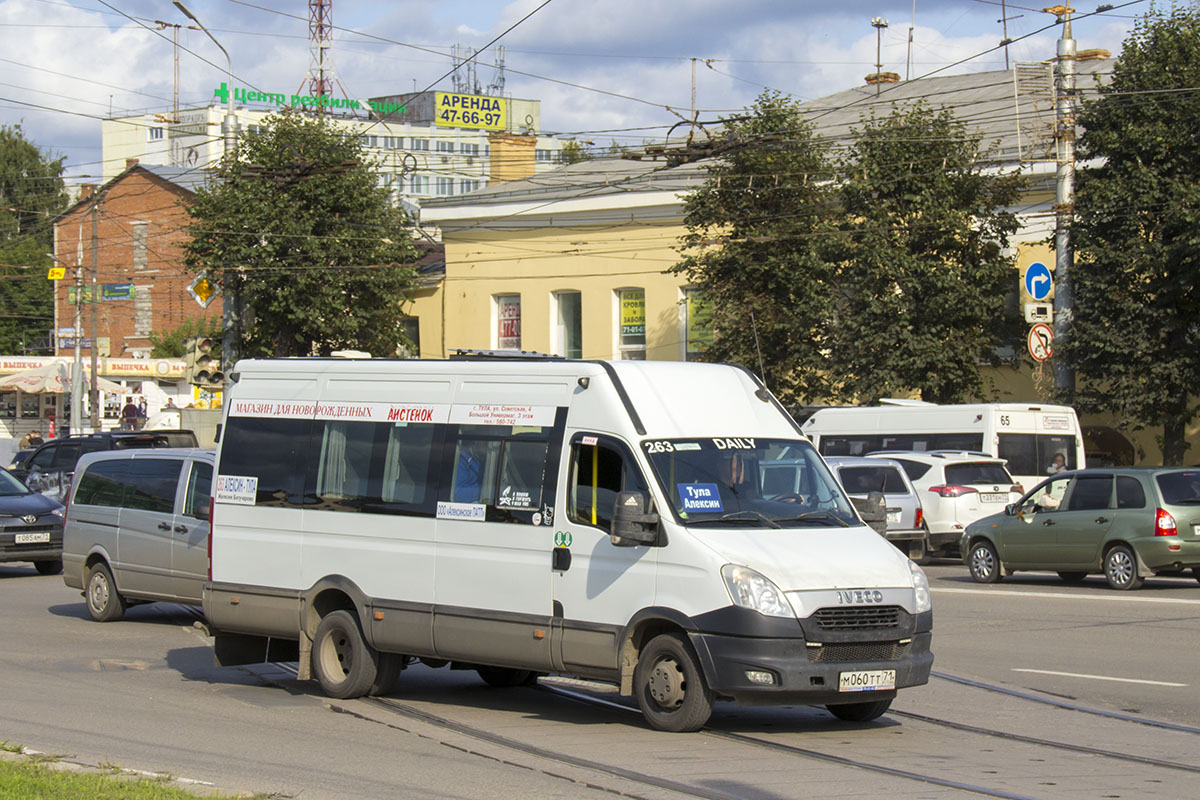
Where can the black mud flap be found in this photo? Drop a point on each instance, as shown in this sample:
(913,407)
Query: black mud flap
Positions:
(233,649)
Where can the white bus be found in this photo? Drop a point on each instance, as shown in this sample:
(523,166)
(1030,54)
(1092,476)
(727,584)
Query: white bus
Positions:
(524,516)
(1036,439)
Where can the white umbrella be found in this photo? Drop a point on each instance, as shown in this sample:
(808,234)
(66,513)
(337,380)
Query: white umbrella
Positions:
(54,377)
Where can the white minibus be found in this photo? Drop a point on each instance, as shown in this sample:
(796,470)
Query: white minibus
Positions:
(523,516)
(1034,438)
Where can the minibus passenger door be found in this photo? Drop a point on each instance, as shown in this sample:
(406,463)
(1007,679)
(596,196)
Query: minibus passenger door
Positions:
(598,586)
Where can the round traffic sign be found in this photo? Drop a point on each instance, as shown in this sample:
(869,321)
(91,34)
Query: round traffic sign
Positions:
(1041,341)
(1038,280)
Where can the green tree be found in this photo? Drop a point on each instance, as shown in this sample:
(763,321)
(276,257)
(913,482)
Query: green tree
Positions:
(31,194)
(299,232)
(919,299)
(574,151)
(170,344)
(1135,339)
(758,232)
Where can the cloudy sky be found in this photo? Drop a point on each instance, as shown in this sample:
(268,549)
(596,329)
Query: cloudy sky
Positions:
(603,69)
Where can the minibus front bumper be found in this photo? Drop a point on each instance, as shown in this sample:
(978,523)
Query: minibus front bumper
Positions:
(808,669)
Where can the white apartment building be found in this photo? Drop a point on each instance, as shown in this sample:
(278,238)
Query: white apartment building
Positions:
(432,144)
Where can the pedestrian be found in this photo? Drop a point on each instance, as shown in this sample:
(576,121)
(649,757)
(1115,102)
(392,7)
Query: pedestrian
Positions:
(129,416)
(171,403)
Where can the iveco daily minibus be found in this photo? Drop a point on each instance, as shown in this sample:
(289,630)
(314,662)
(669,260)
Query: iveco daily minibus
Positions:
(524,516)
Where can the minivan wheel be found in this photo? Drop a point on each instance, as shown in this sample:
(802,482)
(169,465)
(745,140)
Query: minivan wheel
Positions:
(1120,569)
(670,686)
(104,603)
(860,712)
(343,663)
(52,567)
(983,563)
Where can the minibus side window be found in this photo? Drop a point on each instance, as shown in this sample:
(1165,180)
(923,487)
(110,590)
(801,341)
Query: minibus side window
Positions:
(598,472)
(372,467)
(406,464)
(275,451)
(474,479)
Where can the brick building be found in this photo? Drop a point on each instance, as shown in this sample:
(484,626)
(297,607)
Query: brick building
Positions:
(137,221)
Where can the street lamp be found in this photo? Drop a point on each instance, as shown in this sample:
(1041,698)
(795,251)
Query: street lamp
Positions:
(229,132)
(75,423)
(229,124)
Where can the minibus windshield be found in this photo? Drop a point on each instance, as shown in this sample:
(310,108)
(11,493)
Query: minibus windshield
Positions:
(748,482)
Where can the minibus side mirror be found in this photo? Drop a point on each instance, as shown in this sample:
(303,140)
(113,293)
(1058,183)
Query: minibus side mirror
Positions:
(632,522)
(873,511)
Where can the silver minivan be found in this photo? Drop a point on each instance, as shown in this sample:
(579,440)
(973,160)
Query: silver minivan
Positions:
(861,476)
(137,528)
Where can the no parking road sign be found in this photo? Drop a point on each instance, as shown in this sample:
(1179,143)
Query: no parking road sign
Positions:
(1041,341)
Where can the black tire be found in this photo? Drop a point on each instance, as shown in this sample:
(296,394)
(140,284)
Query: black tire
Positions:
(388,667)
(1196,573)
(1120,569)
(917,551)
(505,678)
(1073,577)
(52,567)
(104,602)
(860,712)
(670,686)
(984,563)
(343,663)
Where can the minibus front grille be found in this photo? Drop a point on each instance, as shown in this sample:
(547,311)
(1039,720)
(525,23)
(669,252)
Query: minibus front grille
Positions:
(857,618)
(857,651)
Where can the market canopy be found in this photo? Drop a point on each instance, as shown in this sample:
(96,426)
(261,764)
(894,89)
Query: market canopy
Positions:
(55,378)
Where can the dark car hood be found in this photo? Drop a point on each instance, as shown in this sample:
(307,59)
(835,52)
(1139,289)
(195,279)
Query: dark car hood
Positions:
(20,505)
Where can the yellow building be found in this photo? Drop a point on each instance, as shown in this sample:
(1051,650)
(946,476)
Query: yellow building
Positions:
(573,262)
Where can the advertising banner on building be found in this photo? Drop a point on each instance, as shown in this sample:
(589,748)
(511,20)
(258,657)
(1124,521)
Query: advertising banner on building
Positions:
(633,316)
(508,313)
(470,111)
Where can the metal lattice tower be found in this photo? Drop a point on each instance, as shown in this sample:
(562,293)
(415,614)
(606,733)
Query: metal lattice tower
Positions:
(320,42)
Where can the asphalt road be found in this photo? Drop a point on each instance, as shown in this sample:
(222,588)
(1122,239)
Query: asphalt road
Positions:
(142,693)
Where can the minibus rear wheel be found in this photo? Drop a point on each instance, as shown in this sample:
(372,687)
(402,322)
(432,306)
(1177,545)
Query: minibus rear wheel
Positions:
(344,664)
(670,686)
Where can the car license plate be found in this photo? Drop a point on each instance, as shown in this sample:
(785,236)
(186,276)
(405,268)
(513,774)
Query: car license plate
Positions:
(893,517)
(31,538)
(1196,532)
(993,497)
(868,680)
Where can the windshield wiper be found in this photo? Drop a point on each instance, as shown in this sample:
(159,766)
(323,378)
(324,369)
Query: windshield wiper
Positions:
(746,515)
(815,515)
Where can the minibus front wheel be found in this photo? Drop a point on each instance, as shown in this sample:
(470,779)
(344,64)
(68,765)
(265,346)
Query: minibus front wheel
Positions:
(343,663)
(670,686)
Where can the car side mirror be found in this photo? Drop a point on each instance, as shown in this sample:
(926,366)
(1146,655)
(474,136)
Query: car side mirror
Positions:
(633,521)
(1010,510)
(873,511)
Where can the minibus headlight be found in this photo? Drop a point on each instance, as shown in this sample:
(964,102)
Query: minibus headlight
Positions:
(920,588)
(751,590)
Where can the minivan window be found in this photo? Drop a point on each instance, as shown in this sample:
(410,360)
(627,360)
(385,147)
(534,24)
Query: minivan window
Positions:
(103,483)
(1179,488)
(599,470)
(199,490)
(152,484)
(864,480)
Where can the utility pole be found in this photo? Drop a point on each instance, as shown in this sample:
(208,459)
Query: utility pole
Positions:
(94,386)
(878,23)
(1064,205)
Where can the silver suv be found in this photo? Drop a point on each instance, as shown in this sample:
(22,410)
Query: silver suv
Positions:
(860,476)
(956,488)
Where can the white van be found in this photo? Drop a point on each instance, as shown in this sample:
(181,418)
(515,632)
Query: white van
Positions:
(1033,438)
(539,515)
(136,528)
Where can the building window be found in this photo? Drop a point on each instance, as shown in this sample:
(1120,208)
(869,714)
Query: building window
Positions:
(697,324)
(465,186)
(420,144)
(543,155)
(631,324)
(154,134)
(143,311)
(412,329)
(445,186)
(444,146)
(568,324)
(140,230)
(507,310)
(468,149)
(420,184)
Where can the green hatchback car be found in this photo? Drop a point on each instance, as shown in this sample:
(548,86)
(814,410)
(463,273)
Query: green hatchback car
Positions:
(1127,523)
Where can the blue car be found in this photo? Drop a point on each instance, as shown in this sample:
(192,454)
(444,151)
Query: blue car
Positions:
(31,526)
